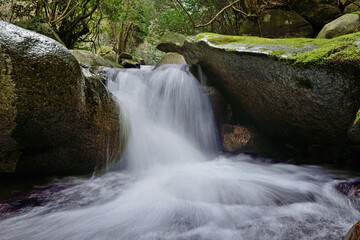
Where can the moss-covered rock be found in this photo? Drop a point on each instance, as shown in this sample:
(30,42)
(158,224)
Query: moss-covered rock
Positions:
(89,59)
(107,53)
(277,23)
(348,23)
(127,63)
(308,94)
(171,42)
(65,123)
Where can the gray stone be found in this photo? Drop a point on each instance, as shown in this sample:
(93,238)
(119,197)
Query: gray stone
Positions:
(348,23)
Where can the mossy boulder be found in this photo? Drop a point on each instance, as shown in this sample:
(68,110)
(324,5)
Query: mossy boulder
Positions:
(348,23)
(317,12)
(301,91)
(107,53)
(89,59)
(171,42)
(65,122)
(276,23)
(171,58)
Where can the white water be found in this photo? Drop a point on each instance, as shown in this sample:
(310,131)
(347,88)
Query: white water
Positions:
(171,185)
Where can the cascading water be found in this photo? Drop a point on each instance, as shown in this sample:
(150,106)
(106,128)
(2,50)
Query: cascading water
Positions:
(171,185)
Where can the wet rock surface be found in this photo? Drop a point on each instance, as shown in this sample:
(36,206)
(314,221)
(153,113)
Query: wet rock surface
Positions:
(295,103)
(66,123)
(345,24)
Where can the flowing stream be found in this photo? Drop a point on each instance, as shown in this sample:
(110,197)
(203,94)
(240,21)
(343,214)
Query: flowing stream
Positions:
(171,182)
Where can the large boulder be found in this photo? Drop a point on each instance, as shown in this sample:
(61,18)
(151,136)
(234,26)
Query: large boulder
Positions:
(302,91)
(89,59)
(317,12)
(171,42)
(57,121)
(277,23)
(348,23)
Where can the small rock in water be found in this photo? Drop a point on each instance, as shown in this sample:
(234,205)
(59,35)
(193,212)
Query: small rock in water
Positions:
(35,198)
(238,139)
(352,190)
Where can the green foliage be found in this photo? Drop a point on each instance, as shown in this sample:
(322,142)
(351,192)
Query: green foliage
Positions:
(357,118)
(174,20)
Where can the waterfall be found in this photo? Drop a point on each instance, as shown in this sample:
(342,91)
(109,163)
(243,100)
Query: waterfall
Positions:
(172,184)
(170,113)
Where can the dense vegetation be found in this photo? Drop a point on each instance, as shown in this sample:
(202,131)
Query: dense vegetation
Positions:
(130,25)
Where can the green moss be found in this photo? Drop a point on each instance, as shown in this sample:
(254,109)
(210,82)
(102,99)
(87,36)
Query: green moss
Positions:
(342,49)
(357,119)
(277,53)
(218,39)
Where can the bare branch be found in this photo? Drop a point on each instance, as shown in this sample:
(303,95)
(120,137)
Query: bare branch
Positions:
(206,24)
